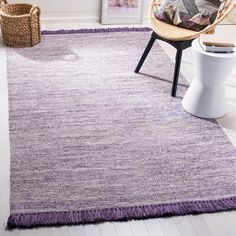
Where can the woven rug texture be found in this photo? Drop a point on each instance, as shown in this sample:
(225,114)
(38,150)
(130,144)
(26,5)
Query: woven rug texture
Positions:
(92,141)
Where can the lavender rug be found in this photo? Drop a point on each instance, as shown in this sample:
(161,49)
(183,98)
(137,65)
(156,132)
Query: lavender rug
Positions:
(92,141)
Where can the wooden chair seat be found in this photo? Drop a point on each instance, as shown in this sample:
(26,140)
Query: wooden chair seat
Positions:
(170,32)
(176,33)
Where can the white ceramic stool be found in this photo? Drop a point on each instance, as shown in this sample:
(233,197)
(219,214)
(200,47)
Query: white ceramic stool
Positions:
(206,95)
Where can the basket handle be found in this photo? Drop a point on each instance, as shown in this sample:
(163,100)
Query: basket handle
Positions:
(1,1)
(33,9)
(5,1)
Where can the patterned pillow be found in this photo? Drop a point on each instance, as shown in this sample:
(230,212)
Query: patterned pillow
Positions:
(190,14)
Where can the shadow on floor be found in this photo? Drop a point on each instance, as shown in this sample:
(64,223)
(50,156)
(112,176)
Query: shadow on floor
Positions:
(164,80)
(47,52)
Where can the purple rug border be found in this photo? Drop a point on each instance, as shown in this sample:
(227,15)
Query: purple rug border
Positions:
(96,30)
(30,220)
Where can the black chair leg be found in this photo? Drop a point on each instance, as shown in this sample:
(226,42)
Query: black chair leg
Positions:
(145,53)
(179,45)
(176,72)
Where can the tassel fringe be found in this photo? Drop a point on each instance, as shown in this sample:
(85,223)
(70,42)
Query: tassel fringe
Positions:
(29,220)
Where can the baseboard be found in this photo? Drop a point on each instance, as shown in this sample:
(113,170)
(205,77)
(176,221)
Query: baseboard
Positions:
(75,17)
(69,18)
(55,18)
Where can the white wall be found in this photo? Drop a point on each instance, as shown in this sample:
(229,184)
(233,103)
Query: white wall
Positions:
(72,10)
(79,10)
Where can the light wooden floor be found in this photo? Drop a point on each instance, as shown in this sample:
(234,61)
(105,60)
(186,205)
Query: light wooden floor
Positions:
(221,224)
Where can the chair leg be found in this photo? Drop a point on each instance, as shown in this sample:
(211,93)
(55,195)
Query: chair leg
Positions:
(145,53)
(176,72)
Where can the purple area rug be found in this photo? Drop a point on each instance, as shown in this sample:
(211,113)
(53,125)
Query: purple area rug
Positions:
(92,141)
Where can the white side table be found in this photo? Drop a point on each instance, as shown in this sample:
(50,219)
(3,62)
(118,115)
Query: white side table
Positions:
(206,95)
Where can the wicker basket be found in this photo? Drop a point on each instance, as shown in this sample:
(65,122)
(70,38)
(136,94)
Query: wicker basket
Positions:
(20,24)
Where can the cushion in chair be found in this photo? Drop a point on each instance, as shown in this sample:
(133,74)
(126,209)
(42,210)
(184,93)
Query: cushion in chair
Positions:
(190,14)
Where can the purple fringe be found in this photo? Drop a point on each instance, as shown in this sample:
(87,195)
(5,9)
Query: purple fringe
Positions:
(29,220)
(97,30)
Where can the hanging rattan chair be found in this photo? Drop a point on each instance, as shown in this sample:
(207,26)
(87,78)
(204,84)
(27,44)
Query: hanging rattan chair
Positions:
(178,37)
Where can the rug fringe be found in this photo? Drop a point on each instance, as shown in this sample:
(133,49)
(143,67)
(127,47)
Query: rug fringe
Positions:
(97,30)
(29,220)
